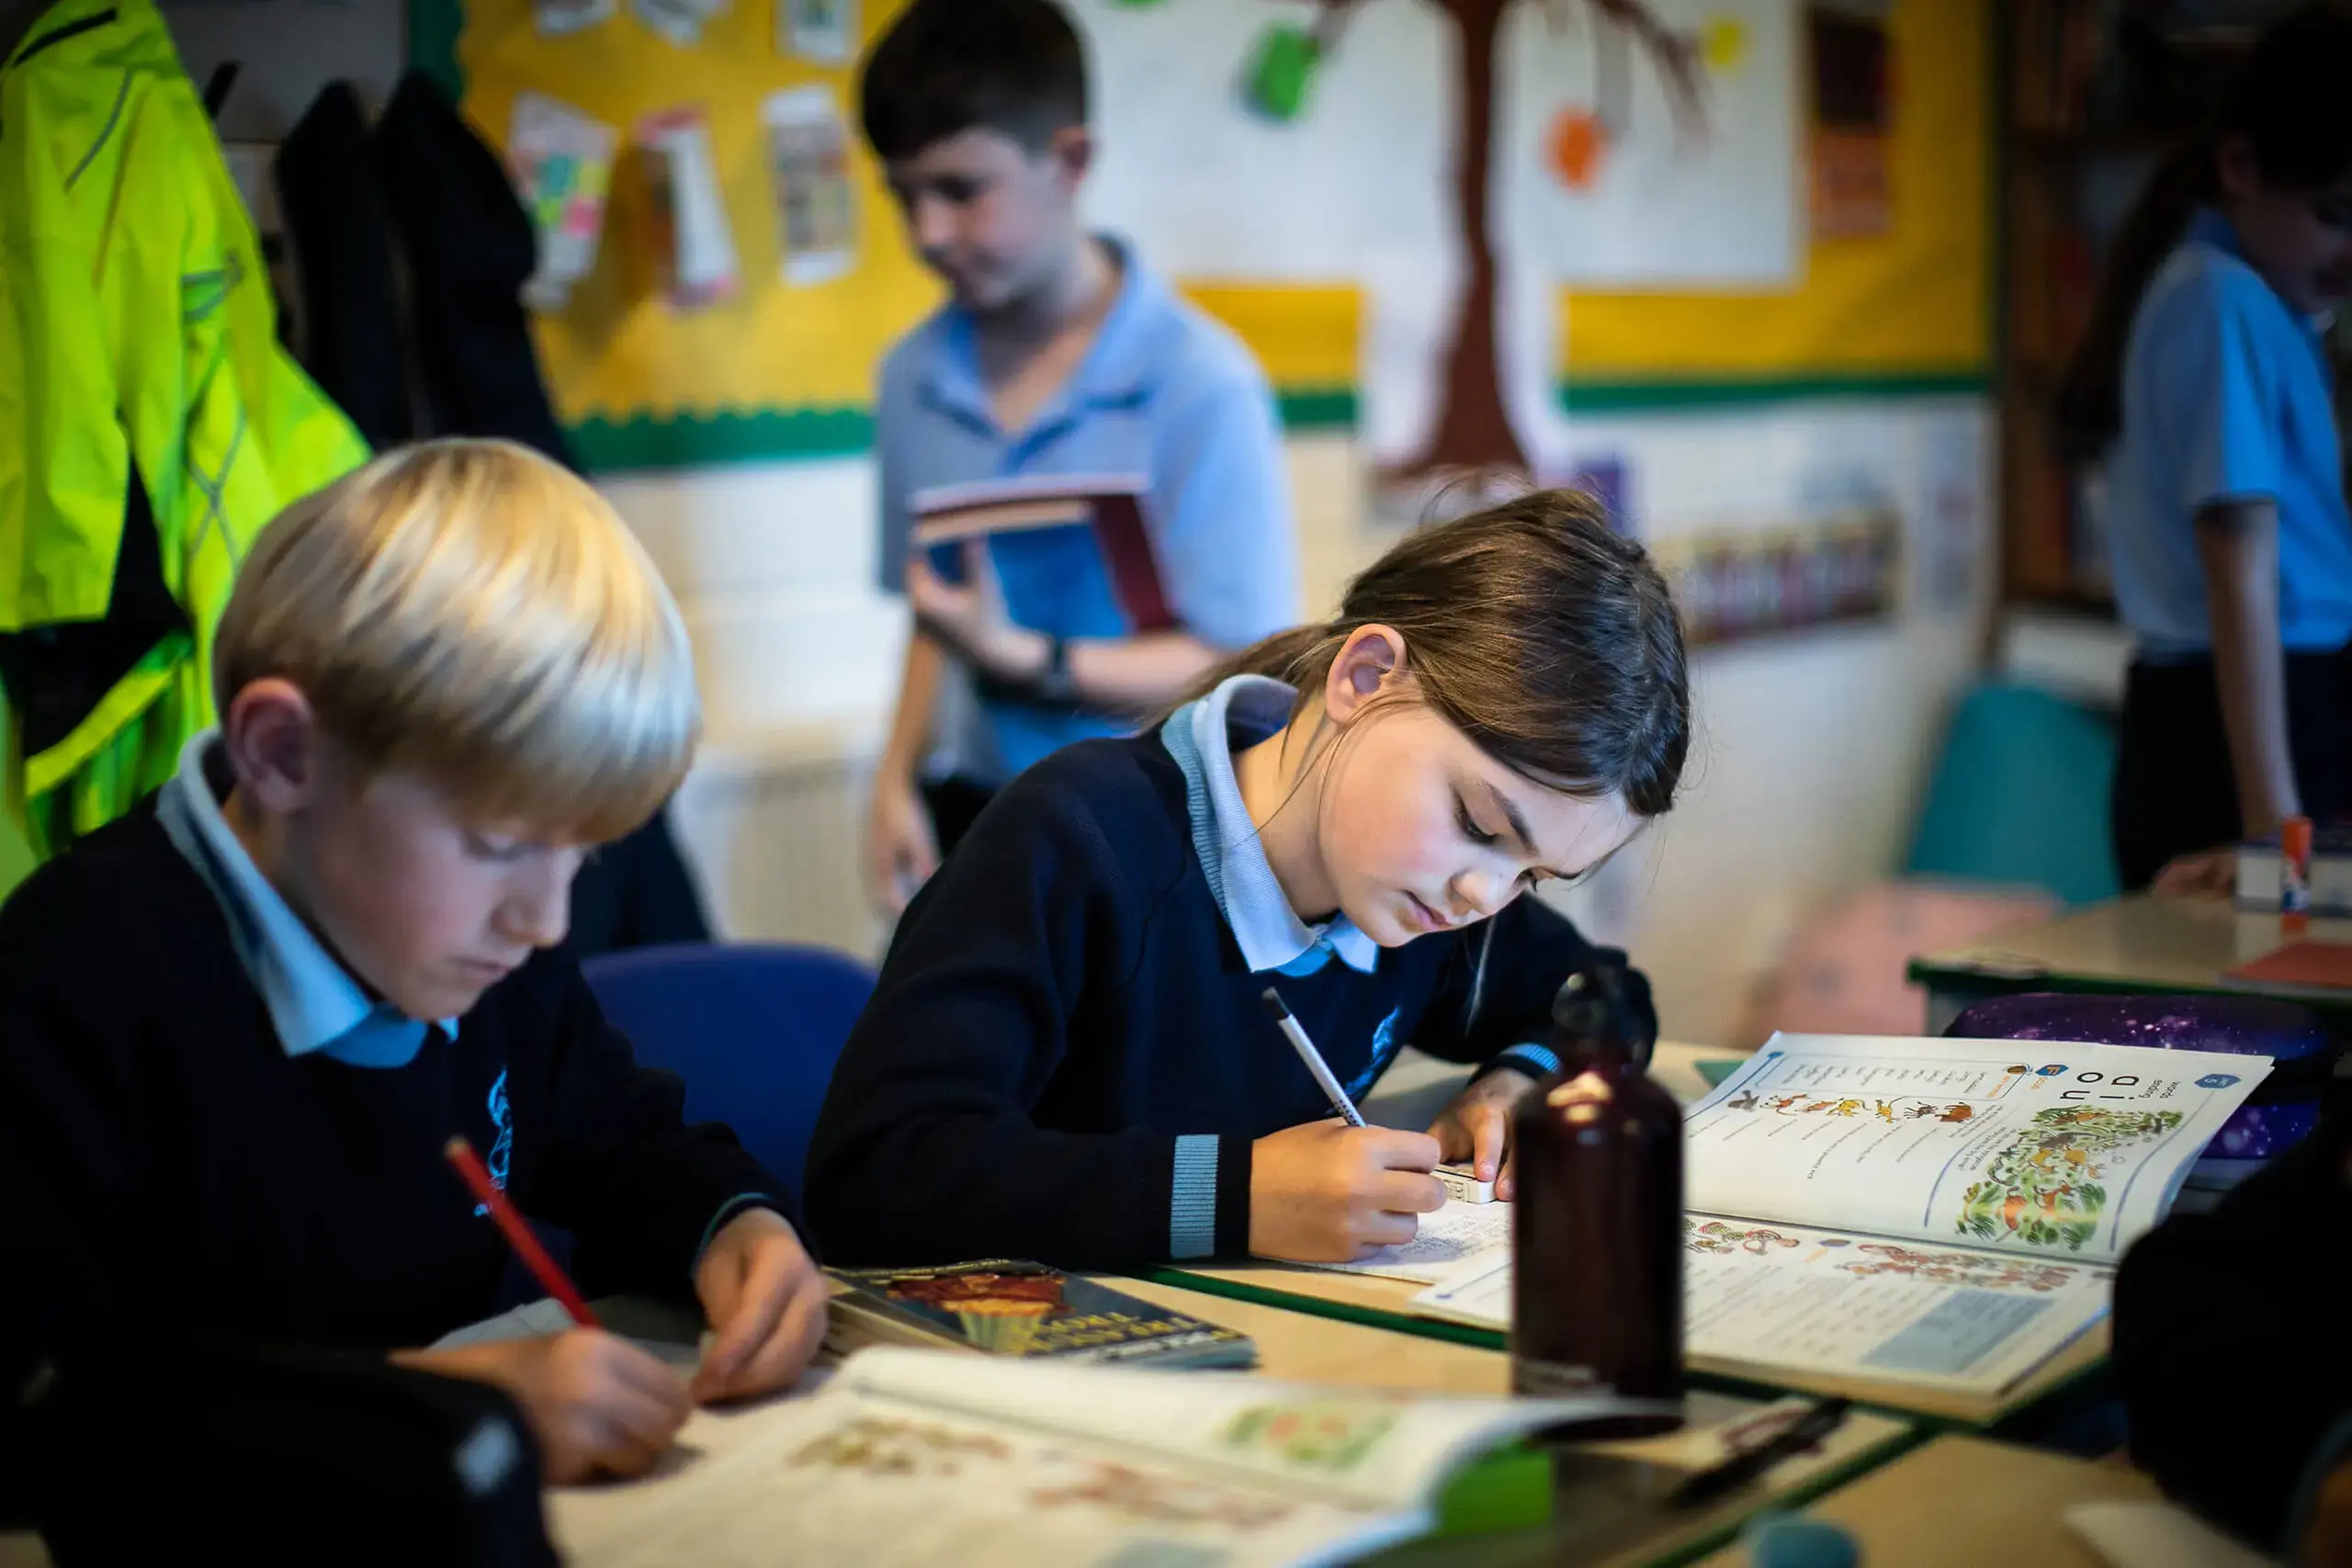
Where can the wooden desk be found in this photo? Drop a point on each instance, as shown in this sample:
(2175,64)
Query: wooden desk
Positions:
(2139,943)
(1964,1502)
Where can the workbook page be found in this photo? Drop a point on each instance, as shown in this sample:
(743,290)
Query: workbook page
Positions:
(922,1457)
(1445,1241)
(2064,1151)
(1364,1447)
(855,1479)
(1785,1298)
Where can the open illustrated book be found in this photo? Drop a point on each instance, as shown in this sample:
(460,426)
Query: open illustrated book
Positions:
(907,1457)
(1944,1213)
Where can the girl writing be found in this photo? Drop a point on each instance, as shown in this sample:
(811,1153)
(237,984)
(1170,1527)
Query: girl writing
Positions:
(1069,1057)
(2205,381)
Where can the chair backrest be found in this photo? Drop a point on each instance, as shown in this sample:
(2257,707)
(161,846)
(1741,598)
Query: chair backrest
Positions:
(753,1029)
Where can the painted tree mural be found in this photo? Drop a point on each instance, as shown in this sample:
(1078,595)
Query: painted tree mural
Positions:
(1473,429)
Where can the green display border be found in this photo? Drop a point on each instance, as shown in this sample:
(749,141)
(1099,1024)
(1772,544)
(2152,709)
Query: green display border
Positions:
(769,434)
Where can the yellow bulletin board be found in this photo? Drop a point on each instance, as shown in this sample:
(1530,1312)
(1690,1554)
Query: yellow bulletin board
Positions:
(1907,311)
(787,371)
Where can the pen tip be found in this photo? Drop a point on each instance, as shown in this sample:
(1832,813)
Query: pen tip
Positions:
(1274,1001)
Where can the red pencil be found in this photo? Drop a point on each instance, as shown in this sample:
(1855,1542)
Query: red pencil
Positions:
(518,1234)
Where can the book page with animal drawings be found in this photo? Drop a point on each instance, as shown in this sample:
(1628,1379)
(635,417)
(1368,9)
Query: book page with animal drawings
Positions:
(2063,1151)
(1759,1299)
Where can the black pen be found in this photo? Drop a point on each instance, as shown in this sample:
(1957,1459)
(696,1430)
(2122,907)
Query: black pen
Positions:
(1706,1485)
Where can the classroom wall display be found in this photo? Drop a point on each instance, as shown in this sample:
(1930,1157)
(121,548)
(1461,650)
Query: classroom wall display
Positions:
(1455,226)
(1752,584)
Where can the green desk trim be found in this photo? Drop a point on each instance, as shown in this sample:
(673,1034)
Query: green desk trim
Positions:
(1494,1339)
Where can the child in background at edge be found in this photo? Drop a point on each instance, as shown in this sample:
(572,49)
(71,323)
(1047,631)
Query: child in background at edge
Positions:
(1068,1057)
(2205,380)
(1058,353)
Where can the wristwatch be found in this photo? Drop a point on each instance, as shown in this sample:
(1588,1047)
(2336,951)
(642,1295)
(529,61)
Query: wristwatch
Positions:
(1054,683)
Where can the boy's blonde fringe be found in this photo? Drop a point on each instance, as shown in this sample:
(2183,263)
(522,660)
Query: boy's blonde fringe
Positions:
(471,613)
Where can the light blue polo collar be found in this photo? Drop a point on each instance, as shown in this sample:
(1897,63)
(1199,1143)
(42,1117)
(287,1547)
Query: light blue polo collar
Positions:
(1114,371)
(2209,226)
(314,1003)
(1203,736)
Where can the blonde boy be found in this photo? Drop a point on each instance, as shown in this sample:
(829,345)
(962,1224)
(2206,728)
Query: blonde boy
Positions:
(242,1021)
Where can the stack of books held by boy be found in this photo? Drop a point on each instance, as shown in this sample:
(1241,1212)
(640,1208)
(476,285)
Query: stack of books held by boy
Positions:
(1908,1217)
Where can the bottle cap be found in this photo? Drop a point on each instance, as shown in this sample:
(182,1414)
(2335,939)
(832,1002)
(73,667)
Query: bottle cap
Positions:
(1591,1003)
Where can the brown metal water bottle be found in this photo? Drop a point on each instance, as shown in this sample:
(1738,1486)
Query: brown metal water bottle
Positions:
(1597,1281)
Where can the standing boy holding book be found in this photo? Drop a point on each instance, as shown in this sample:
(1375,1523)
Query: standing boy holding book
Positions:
(1059,354)
(244,1020)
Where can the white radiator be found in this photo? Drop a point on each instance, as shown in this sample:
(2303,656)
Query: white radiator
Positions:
(772,827)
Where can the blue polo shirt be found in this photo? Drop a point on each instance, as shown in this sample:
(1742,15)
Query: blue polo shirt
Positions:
(1165,395)
(2227,396)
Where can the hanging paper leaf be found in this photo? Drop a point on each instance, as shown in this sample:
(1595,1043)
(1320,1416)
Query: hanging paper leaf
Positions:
(1577,148)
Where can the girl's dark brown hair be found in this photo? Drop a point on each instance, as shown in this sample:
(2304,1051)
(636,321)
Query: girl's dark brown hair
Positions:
(1546,638)
(2287,98)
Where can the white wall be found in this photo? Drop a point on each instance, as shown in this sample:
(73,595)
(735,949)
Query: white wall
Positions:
(1812,747)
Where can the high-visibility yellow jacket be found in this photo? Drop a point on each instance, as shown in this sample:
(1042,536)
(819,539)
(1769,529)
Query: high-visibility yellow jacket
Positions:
(150,421)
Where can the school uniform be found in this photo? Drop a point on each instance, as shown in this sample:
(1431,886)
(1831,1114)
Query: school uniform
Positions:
(2228,395)
(1068,1057)
(208,1128)
(1164,395)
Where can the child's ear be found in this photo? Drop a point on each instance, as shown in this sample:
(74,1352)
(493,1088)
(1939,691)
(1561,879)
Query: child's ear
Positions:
(1072,150)
(272,738)
(1372,660)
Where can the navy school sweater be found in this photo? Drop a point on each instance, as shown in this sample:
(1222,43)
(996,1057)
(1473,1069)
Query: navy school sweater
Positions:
(169,1169)
(1064,1009)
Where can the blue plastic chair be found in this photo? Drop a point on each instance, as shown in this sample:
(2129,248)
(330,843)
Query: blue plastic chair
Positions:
(753,1029)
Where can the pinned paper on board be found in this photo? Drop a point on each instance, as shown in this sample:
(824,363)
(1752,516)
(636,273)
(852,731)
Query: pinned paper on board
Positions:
(679,21)
(1853,122)
(821,30)
(693,250)
(1606,480)
(561,163)
(1735,586)
(555,19)
(808,148)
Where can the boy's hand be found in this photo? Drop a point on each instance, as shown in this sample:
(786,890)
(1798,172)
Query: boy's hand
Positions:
(970,620)
(767,1303)
(1327,1193)
(1477,1128)
(598,1405)
(901,851)
(2206,874)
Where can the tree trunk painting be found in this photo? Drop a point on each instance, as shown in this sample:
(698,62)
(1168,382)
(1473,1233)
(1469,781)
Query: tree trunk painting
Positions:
(1473,429)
